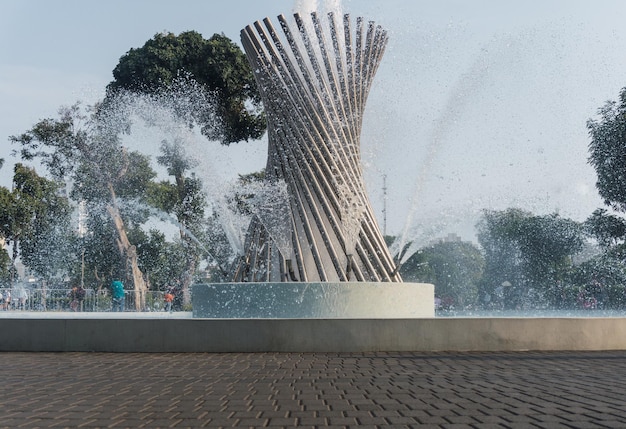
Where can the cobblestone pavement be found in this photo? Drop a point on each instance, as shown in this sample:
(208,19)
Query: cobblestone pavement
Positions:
(425,390)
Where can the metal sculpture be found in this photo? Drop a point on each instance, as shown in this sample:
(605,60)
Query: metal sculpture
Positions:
(314,80)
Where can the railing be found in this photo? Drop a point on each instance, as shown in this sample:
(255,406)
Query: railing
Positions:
(48,299)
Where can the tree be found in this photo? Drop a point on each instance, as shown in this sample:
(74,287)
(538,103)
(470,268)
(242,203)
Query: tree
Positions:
(232,112)
(607,152)
(497,232)
(100,256)
(9,230)
(532,253)
(5,267)
(608,229)
(454,267)
(217,64)
(5,259)
(34,219)
(186,201)
(161,261)
(46,243)
(9,222)
(85,148)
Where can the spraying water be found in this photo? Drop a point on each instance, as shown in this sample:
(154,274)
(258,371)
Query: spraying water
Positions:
(164,126)
(468,87)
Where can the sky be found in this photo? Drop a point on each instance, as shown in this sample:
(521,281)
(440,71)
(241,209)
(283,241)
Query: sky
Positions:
(476,105)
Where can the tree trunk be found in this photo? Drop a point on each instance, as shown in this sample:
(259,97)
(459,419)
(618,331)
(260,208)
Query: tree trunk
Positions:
(13,259)
(130,251)
(190,268)
(191,257)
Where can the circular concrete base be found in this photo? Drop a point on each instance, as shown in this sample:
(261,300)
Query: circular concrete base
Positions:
(344,300)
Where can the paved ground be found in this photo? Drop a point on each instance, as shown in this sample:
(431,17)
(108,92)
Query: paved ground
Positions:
(425,390)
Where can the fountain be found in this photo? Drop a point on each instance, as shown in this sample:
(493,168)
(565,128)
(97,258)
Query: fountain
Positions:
(317,251)
(313,256)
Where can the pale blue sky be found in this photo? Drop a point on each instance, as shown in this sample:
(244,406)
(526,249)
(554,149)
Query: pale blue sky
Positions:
(497,91)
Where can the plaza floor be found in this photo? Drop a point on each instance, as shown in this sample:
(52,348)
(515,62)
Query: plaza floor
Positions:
(425,390)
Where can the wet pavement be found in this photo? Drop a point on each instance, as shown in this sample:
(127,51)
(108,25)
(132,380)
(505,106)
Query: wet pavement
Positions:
(425,390)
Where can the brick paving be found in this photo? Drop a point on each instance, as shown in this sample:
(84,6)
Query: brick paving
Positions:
(331,390)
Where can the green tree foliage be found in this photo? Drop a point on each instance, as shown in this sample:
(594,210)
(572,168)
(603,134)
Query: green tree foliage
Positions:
(607,152)
(532,253)
(5,259)
(497,235)
(605,273)
(101,259)
(5,268)
(454,267)
(186,200)
(85,148)
(597,283)
(160,260)
(9,220)
(240,202)
(8,223)
(35,220)
(607,229)
(232,113)
(217,64)
(46,246)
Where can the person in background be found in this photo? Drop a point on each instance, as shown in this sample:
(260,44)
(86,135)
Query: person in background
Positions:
(80,296)
(177,291)
(77,295)
(168,298)
(117,292)
(7,299)
(21,296)
(73,298)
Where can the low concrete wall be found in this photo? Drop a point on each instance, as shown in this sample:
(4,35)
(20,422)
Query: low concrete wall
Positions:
(311,335)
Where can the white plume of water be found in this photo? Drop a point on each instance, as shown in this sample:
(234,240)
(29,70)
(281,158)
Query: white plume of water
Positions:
(305,6)
(458,101)
(233,224)
(271,204)
(322,7)
(168,121)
